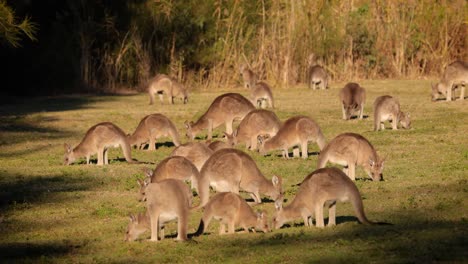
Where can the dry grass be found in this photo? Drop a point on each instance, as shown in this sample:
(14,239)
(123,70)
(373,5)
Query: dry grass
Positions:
(55,213)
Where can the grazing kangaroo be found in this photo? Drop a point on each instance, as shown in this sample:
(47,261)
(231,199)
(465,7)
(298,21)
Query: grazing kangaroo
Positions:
(388,108)
(165,201)
(260,92)
(231,170)
(248,76)
(455,75)
(318,78)
(196,152)
(224,110)
(232,210)
(152,127)
(352,97)
(175,167)
(323,187)
(98,139)
(163,84)
(298,130)
(257,122)
(138,225)
(350,150)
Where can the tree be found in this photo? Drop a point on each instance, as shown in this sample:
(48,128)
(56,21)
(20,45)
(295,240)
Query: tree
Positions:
(11,31)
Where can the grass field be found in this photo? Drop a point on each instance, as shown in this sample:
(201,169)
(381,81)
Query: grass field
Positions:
(55,213)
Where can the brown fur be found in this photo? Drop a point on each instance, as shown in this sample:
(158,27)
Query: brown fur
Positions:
(353,98)
(231,170)
(163,84)
(388,108)
(152,127)
(261,92)
(232,210)
(454,77)
(167,200)
(298,130)
(257,122)
(224,110)
(318,77)
(350,149)
(196,152)
(98,139)
(323,187)
(248,76)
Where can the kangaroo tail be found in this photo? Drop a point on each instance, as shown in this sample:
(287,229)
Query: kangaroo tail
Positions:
(201,228)
(127,152)
(203,192)
(320,139)
(359,207)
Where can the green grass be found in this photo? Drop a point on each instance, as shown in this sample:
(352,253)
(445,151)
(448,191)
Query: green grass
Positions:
(55,213)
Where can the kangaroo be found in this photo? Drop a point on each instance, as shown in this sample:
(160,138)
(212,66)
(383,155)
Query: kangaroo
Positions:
(165,201)
(232,210)
(298,130)
(224,109)
(350,150)
(174,167)
(141,223)
(261,92)
(229,170)
(196,152)
(388,108)
(318,78)
(98,139)
(163,84)
(248,76)
(455,75)
(323,187)
(152,127)
(352,97)
(257,122)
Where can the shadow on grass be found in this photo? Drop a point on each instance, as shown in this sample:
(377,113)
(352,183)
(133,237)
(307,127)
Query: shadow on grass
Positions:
(22,251)
(25,190)
(416,242)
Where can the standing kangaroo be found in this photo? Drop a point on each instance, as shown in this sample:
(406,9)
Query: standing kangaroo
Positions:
(248,76)
(352,98)
(455,75)
(388,108)
(152,127)
(98,139)
(224,110)
(165,201)
(196,152)
(350,150)
(232,210)
(323,187)
(318,78)
(217,145)
(298,130)
(260,92)
(175,167)
(257,122)
(231,170)
(163,84)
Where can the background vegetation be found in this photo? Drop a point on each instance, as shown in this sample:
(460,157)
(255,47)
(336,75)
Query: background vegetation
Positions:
(54,213)
(110,45)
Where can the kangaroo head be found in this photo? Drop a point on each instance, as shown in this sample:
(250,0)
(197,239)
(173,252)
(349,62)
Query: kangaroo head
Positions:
(135,228)
(69,156)
(405,120)
(190,135)
(231,139)
(262,222)
(437,89)
(142,192)
(261,143)
(277,192)
(278,217)
(376,168)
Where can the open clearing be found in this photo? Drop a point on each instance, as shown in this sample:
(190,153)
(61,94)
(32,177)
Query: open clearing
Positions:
(55,213)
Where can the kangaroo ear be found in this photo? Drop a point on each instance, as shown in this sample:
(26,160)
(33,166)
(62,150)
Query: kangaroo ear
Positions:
(148,172)
(371,163)
(275,180)
(67,147)
(187,124)
(132,218)
(260,214)
(279,204)
(140,182)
